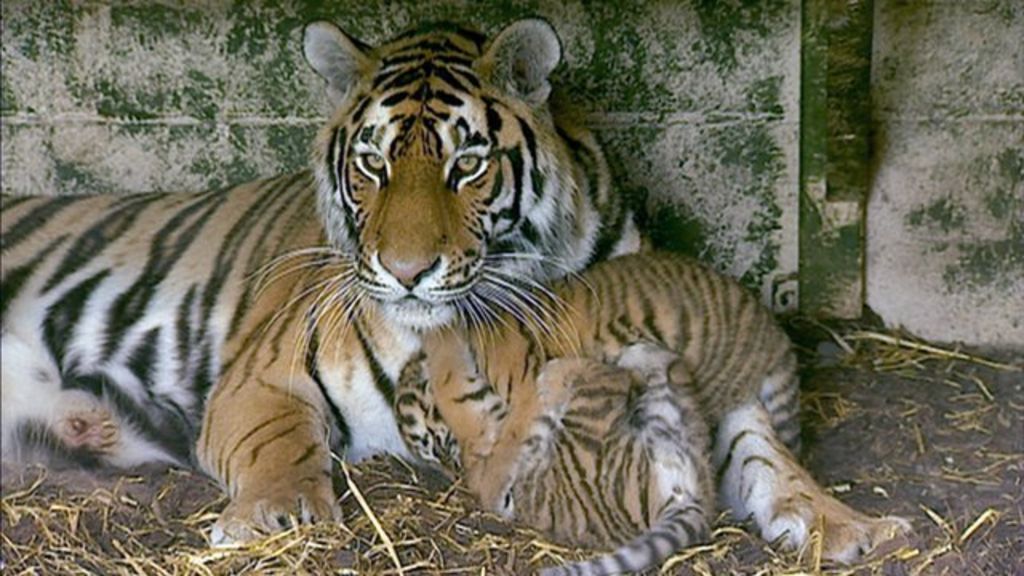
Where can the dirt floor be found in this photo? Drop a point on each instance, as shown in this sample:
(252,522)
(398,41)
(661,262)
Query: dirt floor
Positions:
(890,429)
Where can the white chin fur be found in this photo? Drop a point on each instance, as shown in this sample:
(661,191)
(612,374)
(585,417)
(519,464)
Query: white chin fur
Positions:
(418,316)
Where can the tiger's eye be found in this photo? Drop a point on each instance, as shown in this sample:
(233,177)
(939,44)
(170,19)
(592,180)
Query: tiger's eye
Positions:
(374,161)
(468,164)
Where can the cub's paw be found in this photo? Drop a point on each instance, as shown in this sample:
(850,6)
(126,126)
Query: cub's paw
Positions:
(846,534)
(258,513)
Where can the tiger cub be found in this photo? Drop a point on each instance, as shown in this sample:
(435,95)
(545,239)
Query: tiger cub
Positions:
(615,456)
(736,362)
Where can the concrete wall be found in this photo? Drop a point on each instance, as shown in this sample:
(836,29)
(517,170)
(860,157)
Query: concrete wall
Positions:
(697,102)
(945,252)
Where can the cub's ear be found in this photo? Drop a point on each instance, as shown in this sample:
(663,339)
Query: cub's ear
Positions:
(338,58)
(521,57)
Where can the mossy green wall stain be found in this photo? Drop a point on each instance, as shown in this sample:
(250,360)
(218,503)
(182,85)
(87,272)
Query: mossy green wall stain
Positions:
(201,95)
(752,148)
(114,102)
(8,102)
(1001,202)
(944,214)
(41,28)
(619,67)
(722,22)
(251,30)
(764,96)
(290,142)
(150,22)
(75,176)
(992,264)
(1007,197)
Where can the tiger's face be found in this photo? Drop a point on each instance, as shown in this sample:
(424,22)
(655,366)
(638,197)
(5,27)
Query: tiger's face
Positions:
(442,175)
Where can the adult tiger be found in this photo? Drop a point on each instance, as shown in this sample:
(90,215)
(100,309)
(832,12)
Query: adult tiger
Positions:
(251,330)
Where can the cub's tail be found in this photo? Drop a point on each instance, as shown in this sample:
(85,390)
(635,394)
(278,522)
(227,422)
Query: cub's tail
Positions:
(681,524)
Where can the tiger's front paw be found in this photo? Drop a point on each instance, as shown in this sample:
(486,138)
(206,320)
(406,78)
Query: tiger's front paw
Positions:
(254,513)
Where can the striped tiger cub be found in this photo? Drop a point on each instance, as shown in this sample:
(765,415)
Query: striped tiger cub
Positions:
(254,330)
(615,456)
(487,391)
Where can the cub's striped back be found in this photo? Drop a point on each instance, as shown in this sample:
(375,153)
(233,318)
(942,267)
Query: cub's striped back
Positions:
(620,460)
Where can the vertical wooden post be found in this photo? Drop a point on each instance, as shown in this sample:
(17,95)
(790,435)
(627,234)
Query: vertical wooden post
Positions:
(834,154)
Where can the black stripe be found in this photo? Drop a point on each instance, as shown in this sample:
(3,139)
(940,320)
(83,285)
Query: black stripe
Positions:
(478,394)
(403,79)
(7,202)
(38,217)
(182,329)
(394,60)
(494,123)
(431,44)
(167,247)
(513,211)
(231,246)
(395,98)
(312,366)
(92,243)
(143,360)
(447,76)
(309,452)
(432,29)
(650,320)
(448,98)
(63,315)
(384,384)
(360,108)
(467,76)
(530,137)
(37,436)
(13,280)
(496,189)
(255,454)
(205,374)
(333,167)
(273,419)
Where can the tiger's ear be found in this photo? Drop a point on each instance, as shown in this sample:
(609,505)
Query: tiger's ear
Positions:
(521,57)
(338,58)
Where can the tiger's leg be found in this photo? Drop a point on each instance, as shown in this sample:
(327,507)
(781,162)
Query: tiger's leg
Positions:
(759,478)
(465,399)
(267,444)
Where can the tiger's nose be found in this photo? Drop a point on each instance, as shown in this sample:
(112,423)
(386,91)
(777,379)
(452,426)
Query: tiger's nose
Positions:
(409,271)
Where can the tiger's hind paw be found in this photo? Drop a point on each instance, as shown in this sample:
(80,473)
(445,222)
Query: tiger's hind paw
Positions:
(846,535)
(90,428)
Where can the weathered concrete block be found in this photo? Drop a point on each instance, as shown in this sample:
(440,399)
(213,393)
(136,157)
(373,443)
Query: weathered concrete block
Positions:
(946,216)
